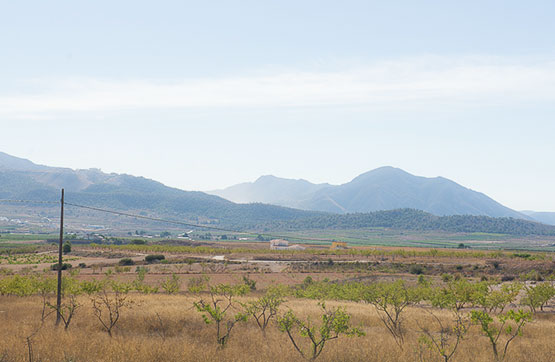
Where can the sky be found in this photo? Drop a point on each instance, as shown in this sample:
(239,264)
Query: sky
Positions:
(204,95)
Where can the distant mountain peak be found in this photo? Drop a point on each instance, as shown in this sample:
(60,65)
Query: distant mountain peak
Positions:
(383,188)
(385,171)
(267,178)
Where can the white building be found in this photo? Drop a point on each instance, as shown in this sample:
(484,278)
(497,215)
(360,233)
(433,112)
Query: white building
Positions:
(280,244)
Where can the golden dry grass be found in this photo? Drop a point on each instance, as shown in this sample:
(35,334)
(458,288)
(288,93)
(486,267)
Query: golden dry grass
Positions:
(182,336)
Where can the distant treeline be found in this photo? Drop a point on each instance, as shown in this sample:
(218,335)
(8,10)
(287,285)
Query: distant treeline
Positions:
(410,219)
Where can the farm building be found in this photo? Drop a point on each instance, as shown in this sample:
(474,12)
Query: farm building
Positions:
(280,244)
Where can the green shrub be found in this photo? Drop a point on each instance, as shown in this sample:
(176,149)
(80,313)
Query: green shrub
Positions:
(65,266)
(249,282)
(153,258)
(138,242)
(126,261)
(446,278)
(416,269)
(307,281)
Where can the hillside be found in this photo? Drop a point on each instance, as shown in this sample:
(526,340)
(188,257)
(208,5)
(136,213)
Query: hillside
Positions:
(416,220)
(21,179)
(385,188)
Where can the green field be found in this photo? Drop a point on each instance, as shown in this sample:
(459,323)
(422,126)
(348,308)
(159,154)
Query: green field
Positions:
(387,237)
(354,237)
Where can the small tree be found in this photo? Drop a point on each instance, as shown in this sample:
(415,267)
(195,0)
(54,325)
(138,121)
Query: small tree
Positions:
(463,293)
(171,285)
(510,324)
(198,284)
(108,304)
(538,296)
(45,287)
(334,323)
(66,247)
(139,284)
(390,300)
(495,301)
(265,308)
(217,308)
(71,289)
(446,337)
(26,286)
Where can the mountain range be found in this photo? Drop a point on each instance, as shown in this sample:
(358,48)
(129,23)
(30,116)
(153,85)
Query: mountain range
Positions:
(385,188)
(323,206)
(22,179)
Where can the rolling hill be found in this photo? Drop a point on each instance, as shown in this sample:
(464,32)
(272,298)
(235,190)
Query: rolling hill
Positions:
(417,220)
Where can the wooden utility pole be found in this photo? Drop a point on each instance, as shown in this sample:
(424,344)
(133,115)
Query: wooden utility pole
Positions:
(59,294)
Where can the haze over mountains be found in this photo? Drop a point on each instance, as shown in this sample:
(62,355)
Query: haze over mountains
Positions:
(385,188)
(543,217)
(22,179)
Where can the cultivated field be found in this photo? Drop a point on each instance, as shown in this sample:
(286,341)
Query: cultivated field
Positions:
(382,304)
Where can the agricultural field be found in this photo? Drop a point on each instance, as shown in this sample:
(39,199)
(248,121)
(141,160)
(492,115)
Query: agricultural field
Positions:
(241,301)
(389,237)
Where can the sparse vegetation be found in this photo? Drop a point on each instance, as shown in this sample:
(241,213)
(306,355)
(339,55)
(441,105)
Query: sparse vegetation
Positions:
(334,322)
(218,308)
(229,308)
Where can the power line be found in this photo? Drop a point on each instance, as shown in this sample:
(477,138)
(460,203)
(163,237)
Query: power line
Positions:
(174,222)
(29,201)
(182,223)
(152,218)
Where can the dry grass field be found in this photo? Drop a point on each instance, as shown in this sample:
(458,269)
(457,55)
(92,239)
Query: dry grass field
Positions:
(166,328)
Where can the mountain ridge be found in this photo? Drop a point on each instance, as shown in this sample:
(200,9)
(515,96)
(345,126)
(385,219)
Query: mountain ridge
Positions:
(92,187)
(384,188)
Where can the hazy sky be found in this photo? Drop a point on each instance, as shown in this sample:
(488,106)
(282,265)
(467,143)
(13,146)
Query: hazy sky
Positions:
(202,95)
